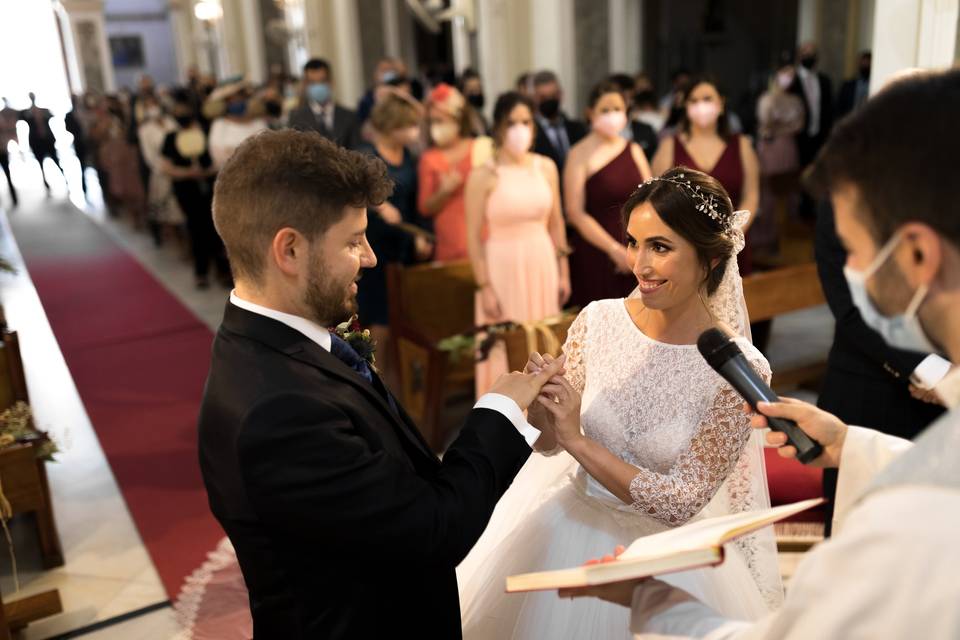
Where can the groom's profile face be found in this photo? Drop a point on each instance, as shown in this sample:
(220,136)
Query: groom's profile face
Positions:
(336,260)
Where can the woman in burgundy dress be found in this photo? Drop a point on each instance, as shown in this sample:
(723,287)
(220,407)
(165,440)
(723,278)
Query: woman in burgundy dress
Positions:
(601,172)
(703,142)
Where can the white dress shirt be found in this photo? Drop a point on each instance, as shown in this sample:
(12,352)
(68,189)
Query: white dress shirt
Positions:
(811,89)
(323,112)
(494,401)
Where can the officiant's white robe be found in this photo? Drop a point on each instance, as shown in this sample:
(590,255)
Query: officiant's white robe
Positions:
(892,568)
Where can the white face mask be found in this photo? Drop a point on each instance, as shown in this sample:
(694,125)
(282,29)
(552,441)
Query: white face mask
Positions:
(517,139)
(902,331)
(443,133)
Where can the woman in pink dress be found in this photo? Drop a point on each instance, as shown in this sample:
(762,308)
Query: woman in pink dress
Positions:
(515,232)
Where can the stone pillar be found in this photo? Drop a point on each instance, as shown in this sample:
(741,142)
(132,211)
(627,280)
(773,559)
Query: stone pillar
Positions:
(626,35)
(808,21)
(504,43)
(254,41)
(333,32)
(89,35)
(555,43)
(592,58)
(185,42)
(913,33)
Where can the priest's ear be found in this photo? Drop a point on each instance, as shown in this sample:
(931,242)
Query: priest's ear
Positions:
(924,257)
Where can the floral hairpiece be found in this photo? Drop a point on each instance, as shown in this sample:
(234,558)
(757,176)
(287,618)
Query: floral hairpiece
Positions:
(704,203)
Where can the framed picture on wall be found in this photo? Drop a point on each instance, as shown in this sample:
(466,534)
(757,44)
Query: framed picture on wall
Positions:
(126,51)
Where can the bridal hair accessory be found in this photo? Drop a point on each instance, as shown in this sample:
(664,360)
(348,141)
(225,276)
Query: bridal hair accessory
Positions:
(705,203)
(731,227)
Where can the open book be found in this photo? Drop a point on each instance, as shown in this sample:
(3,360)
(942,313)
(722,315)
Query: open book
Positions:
(697,544)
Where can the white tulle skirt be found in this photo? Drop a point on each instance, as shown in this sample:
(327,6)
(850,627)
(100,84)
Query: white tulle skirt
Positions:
(555,516)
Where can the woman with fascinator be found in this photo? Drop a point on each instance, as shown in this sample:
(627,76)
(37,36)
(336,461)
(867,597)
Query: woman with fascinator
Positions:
(640,436)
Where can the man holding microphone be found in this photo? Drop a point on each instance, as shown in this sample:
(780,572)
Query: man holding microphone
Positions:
(891,569)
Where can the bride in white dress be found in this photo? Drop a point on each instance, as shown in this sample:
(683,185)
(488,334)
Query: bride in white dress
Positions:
(664,440)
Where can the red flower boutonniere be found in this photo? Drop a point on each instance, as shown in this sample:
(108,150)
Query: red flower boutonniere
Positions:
(358,338)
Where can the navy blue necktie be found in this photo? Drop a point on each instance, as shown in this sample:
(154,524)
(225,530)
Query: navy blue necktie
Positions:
(346,354)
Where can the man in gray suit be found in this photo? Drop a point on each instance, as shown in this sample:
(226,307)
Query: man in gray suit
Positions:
(319,112)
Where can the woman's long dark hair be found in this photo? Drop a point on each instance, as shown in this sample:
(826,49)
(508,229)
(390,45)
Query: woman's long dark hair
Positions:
(723,121)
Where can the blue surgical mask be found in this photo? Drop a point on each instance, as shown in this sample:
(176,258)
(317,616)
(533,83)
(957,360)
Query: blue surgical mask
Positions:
(901,331)
(237,108)
(319,92)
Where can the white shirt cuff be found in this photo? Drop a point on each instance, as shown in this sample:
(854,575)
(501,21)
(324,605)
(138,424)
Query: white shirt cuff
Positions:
(511,411)
(930,372)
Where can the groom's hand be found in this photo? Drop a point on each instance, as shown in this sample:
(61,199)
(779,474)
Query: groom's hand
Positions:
(523,388)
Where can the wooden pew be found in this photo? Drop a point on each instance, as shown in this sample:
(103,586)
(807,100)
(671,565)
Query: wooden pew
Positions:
(23,476)
(428,303)
(773,293)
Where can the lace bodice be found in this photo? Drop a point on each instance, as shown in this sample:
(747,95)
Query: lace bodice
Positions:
(659,407)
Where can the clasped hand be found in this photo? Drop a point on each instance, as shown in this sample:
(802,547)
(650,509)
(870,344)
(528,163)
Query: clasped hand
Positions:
(556,411)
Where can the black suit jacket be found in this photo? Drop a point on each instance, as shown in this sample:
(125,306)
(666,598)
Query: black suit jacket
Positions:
(576,130)
(809,145)
(344,523)
(866,380)
(346,130)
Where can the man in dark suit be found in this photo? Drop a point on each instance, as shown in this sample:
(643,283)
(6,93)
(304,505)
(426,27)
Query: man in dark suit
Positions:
(345,524)
(816,91)
(867,380)
(556,132)
(318,110)
(855,91)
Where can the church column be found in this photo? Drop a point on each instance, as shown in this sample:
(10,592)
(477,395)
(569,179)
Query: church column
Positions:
(912,33)
(553,45)
(185,43)
(626,36)
(89,35)
(333,32)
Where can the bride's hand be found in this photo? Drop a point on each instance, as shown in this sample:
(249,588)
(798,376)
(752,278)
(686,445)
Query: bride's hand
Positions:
(537,415)
(562,401)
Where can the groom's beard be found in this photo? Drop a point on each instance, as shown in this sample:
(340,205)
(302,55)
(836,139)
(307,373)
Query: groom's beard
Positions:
(329,302)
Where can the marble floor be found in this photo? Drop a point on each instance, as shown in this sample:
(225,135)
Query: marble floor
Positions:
(108,571)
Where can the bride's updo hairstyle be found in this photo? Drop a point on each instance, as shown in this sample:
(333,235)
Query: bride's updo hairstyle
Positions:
(697,207)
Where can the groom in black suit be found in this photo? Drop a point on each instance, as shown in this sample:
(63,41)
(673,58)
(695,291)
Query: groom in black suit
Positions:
(344,522)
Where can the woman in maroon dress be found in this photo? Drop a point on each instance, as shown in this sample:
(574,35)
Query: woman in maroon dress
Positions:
(703,142)
(601,172)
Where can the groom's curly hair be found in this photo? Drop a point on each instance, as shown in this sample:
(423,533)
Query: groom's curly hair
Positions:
(678,210)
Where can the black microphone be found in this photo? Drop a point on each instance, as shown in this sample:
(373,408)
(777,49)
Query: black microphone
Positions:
(723,354)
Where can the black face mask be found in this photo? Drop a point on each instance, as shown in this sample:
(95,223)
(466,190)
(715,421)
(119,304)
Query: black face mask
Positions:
(184,121)
(476,100)
(550,108)
(809,62)
(865,73)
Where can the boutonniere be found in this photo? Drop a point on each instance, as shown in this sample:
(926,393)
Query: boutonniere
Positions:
(358,338)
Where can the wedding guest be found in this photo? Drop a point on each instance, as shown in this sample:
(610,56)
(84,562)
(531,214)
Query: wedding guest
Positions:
(444,169)
(854,91)
(42,142)
(556,132)
(235,125)
(120,162)
(471,86)
(163,212)
(889,571)
(515,232)
(704,142)
(779,119)
(397,232)
(319,111)
(602,171)
(75,126)
(8,134)
(187,161)
(635,129)
(816,91)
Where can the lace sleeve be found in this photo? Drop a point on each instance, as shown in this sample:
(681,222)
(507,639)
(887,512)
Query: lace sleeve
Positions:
(576,364)
(678,495)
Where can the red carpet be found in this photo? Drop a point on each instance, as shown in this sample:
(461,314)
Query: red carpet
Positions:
(139,359)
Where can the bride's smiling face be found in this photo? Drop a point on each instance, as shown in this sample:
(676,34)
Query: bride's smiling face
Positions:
(665,264)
